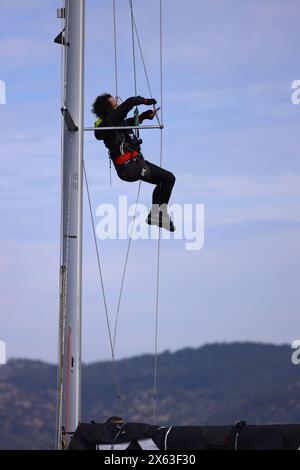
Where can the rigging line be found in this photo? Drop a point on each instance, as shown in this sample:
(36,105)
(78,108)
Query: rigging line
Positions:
(161,159)
(116,68)
(136,112)
(114,365)
(115,47)
(139,188)
(161,76)
(161,59)
(133,46)
(141,53)
(158,241)
(124,269)
(156,330)
(143,60)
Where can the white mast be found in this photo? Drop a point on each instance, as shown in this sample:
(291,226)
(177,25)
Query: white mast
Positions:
(69,375)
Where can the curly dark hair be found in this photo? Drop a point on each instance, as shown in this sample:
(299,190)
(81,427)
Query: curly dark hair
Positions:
(101,105)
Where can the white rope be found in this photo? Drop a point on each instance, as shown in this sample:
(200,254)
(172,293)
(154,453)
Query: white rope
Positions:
(166,438)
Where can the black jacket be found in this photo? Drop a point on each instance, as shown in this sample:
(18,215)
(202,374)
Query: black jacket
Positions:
(114,139)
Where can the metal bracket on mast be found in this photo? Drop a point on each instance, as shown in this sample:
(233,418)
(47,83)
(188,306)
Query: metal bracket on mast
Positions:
(68,119)
(60,39)
(61,13)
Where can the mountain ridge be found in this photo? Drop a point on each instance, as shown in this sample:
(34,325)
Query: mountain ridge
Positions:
(217,383)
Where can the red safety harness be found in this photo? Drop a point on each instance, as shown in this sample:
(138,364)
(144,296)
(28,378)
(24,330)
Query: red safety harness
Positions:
(125,157)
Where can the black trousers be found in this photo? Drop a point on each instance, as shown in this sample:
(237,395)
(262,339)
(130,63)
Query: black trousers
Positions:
(144,170)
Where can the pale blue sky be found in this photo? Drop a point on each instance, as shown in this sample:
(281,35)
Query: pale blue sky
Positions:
(231,138)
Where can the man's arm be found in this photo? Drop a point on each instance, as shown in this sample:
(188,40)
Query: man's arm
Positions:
(99,134)
(120,113)
(150,114)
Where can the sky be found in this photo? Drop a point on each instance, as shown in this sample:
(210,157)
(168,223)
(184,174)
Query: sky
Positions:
(231,139)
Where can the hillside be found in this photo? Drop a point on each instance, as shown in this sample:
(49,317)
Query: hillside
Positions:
(214,384)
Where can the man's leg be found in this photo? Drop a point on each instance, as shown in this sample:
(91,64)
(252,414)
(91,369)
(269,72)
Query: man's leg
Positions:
(164,181)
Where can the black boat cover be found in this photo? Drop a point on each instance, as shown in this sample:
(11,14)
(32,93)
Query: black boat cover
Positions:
(139,436)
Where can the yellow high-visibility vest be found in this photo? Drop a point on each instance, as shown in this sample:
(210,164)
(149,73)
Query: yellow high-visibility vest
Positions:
(98,122)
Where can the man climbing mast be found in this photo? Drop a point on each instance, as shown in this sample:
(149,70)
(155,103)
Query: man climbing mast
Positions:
(125,151)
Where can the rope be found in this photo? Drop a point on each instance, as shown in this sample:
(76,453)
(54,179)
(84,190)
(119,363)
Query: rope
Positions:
(139,187)
(159,238)
(136,112)
(133,47)
(135,30)
(110,178)
(161,62)
(142,56)
(124,270)
(156,330)
(116,68)
(114,365)
(115,47)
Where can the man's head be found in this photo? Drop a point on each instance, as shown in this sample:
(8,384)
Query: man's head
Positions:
(103,104)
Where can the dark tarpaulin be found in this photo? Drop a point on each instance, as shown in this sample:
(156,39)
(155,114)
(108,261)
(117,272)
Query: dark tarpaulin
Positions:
(137,436)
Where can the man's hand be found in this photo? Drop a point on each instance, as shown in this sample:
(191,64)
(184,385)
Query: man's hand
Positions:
(149,114)
(149,101)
